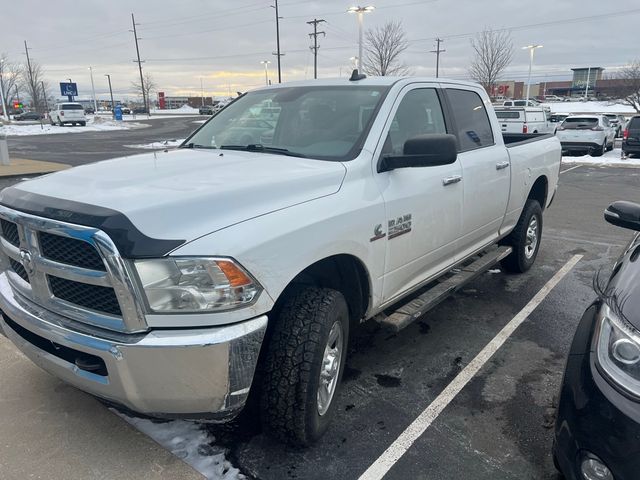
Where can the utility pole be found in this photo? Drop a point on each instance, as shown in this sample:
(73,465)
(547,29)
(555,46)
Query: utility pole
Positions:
(113,109)
(315,47)
(44,96)
(33,86)
(144,93)
(278,54)
(438,51)
(5,109)
(93,91)
(201,91)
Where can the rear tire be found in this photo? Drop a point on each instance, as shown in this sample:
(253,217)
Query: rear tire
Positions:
(610,147)
(83,124)
(524,239)
(600,151)
(303,365)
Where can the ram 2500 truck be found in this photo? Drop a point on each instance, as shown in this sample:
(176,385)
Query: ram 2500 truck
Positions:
(176,283)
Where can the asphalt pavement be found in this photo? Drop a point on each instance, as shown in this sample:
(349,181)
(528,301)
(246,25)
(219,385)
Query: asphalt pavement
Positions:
(498,427)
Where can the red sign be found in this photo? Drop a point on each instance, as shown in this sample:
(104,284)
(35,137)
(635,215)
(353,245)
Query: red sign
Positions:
(161,101)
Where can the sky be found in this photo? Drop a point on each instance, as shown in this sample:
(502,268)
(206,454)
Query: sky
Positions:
(219,44)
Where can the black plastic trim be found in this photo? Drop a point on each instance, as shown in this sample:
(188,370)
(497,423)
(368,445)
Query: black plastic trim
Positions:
(130,241)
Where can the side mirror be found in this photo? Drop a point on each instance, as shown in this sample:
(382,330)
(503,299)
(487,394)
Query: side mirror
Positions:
(623,214)
(428,150)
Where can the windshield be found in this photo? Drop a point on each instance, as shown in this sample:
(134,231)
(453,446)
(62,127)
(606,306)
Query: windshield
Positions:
(580,123)
(323,122)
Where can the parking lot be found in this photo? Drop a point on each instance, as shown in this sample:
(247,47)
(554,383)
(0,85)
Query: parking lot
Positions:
(498,426)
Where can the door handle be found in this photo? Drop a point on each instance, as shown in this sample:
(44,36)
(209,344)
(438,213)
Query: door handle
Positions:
(502,165)
(451,180)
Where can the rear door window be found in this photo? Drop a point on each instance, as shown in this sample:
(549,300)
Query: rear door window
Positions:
(578,123)
(505,115)
(634,123)
(473,127)
(71,106)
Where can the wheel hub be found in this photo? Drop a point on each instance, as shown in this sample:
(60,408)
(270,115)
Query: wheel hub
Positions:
(330,368)
(532,238)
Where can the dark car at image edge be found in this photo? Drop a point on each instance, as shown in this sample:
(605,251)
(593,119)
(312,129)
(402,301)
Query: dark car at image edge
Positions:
(597,432)
(631,137)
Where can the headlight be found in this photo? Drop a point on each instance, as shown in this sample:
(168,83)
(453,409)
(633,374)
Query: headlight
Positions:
(191,285)
(618,350)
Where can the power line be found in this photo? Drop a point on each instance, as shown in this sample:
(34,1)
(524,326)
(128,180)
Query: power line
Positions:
(315,47)
(437,51)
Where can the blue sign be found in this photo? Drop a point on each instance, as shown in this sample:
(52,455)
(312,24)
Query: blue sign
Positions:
(68,89)
(118,112)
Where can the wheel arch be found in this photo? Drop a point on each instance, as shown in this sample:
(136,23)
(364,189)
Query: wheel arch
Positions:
(540,191)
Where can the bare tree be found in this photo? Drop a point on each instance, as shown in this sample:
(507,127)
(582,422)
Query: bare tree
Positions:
(493,53)
(150,86)
(9,77)
(383,47)
(32,77)
(626,85)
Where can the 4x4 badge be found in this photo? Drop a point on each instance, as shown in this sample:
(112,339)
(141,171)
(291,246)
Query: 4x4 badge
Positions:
(377,233)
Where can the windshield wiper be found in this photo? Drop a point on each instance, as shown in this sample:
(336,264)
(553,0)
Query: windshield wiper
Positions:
(256,147)
(195,145)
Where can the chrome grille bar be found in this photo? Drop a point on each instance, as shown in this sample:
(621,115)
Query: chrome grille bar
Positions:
(38,268)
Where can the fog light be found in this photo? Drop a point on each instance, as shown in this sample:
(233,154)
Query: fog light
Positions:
(626,351)
(593,469)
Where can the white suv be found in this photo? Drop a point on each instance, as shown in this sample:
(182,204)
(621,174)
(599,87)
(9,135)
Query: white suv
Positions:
(592,133)
(68,112)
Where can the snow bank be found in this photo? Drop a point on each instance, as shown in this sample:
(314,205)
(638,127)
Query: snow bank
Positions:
(589,107)
(176,111)
(158,145)
(101,125)
(611,158)
(188,441)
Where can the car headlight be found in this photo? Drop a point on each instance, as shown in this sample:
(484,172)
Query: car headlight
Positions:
(195,284)
(618,350)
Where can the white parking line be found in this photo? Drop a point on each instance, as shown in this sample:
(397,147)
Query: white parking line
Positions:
(400,446)
(569,169)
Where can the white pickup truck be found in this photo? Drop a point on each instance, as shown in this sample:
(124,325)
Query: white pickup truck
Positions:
(176,283)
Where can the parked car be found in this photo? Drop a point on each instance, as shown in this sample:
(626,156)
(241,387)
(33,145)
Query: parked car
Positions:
(28,116)
(89,110)
(631,137)
(591,133)
(68,112)
(555,98)
(597,428)
(207,110)
(126,111)
(617,122)
(369,191)
(139,110)
(558,118)
(524,120)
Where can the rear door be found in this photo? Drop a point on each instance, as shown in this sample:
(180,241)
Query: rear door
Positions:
(633,132)
(486,176)
(73,111)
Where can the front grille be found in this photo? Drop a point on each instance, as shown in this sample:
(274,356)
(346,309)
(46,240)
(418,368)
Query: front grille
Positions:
(70,251)
(101,299)
(19,269)
(10,232)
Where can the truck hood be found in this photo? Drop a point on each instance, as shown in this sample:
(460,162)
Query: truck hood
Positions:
(184,194)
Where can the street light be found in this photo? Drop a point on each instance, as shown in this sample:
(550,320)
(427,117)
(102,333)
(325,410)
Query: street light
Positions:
(531,49)
(266,70)
(201,91)
(113,109)
(93,91)
(360,11)
(2,99)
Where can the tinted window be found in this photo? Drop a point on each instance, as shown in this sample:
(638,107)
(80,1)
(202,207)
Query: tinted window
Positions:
(634,123)
(419,113)
(71,106)
(577,123)
(472,122)
(507,114)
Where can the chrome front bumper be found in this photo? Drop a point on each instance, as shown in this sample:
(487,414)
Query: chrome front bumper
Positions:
(191,373)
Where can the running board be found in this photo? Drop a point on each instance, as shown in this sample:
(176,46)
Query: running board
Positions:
(428,297)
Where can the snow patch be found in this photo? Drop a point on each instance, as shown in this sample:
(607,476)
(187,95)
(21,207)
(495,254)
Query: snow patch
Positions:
(494,270)
(189,442)
(612,158)
(158,145)
(100,125)
(589,107)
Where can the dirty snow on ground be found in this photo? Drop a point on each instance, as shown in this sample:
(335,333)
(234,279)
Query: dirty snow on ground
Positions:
(589,107)
(609,158)
(99,125)
(188,441)
(159,145)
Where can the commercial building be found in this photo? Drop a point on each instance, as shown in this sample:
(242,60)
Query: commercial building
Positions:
(171,103)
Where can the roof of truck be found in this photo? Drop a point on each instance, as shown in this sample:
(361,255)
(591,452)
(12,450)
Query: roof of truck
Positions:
(369,81)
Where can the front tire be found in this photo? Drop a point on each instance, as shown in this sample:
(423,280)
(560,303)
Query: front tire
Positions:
(525,239)
(303,365)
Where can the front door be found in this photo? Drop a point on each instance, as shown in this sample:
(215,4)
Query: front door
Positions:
(423,204)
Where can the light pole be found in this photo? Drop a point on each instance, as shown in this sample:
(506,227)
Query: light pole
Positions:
(360,11)
(531,49)
(586,89)
(201,91)
(93,91)
(266,70)
(5,114)
(113,110)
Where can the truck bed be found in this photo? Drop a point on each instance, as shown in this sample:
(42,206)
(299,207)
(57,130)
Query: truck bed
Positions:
(514,139)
